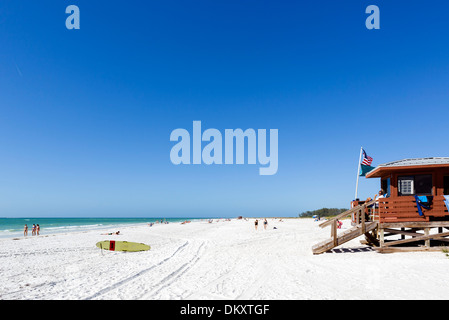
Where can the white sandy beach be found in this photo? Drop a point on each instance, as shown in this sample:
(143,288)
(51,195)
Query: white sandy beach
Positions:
(223,260)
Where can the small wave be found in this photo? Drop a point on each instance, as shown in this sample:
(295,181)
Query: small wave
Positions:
(86,226)
(10,233)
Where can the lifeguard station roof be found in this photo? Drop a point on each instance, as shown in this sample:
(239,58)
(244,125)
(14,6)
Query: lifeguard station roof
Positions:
(432,162)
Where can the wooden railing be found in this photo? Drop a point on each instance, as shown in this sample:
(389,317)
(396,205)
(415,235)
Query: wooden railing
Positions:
(370,210)
(362,227)
(404,208)
(358,211)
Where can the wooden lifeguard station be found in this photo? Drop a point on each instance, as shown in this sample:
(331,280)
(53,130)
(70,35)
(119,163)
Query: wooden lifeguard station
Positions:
(411,216)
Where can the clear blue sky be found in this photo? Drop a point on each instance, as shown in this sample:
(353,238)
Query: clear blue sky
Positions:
(86,115)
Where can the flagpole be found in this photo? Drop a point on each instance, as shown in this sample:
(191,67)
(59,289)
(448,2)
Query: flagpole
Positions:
(358,173)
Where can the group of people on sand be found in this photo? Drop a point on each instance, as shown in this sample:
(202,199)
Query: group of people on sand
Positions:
(265,224)
(34,231)
(218,220)
(157,221)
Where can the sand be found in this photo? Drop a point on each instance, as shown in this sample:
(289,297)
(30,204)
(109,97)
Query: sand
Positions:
(221,260)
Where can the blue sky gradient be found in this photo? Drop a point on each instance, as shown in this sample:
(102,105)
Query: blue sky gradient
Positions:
(86,115)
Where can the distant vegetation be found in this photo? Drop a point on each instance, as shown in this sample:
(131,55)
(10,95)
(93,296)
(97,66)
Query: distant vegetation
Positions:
(324,212)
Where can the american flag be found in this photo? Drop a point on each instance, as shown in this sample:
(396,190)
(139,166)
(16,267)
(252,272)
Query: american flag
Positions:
(367,160)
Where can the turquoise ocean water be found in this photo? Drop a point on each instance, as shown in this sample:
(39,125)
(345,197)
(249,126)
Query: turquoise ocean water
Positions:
(13,227)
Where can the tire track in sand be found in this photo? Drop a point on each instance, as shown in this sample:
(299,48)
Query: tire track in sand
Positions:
(137,275)
(174,276)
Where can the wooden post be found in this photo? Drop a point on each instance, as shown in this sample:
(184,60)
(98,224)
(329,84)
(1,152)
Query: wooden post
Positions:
(362,213)
(334,232)
(381,237)
(427,241)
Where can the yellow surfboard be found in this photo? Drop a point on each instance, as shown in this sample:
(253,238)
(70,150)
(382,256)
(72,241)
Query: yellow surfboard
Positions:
(122,246)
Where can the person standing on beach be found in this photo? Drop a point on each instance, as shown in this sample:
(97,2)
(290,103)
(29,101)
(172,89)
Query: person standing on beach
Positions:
(38,229)
(256,223)
(265,223)
(33,230)
(25,231)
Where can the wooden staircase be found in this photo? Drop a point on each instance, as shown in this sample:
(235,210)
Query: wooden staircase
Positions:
(363,228)
(345,236)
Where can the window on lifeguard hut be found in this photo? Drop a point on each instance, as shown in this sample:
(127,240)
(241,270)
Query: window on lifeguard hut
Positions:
(410,185)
